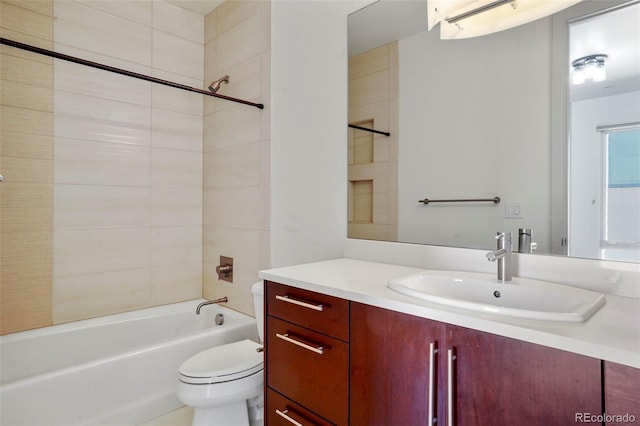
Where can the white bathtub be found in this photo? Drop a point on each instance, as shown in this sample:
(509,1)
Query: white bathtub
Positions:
(115,370)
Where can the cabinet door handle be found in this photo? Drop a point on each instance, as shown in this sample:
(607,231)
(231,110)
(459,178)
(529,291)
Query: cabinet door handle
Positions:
(284,415)
(432,361)
(451,356)
(286,338)
(286,298)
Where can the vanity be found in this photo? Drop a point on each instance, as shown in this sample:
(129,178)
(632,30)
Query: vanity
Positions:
(342,348)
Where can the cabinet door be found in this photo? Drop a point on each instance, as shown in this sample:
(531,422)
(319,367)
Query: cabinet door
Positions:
(501,381)
(621,393)
(390,367)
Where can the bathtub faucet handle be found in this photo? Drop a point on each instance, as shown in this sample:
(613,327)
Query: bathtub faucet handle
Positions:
(225,269)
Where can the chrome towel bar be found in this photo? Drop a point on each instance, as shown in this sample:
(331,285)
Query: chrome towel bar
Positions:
(495,200)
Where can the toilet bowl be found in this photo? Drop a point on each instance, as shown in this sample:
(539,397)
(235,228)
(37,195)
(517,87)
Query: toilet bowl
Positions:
(224,384)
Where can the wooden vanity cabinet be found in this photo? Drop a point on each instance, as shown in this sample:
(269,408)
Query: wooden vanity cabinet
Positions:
(307,355)
(502,381)
(621,392)
(496,380)
(335,362)
(390,367)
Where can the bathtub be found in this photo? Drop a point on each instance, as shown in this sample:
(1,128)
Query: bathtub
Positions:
(114,370)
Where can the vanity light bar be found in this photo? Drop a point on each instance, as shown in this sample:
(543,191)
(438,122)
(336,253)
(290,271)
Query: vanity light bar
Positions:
(476,11)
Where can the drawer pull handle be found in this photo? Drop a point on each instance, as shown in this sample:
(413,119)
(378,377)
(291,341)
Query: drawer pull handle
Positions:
(286,338)
(288,299)
(451,357)
(284,415)
(433,350)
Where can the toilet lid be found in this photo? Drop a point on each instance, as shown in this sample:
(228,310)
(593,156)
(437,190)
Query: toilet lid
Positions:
(223,363)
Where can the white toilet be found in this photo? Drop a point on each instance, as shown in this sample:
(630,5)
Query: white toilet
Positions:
(224,384)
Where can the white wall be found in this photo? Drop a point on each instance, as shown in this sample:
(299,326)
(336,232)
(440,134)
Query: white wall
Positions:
(474,120)
(309,129)
(586,149)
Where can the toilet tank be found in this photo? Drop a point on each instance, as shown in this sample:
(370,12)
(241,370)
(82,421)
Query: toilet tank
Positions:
(258,305)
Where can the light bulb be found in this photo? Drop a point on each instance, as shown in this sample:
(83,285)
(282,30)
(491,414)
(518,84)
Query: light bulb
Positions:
(578,76)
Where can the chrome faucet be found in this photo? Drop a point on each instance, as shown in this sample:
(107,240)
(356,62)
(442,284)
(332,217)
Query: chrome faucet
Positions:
(503,256)
(211,302)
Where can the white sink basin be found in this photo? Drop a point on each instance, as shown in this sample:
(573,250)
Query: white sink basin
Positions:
(519,298)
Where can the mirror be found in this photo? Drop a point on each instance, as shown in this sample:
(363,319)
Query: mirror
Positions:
(475,118)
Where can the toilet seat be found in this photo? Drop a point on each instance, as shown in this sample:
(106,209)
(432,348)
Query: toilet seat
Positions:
(223,363)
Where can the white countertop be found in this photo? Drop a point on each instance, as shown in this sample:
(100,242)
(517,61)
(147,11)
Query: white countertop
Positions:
(611,334)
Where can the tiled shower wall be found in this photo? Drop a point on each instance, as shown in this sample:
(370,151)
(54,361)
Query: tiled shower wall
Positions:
(236,218)
(110,200)
(102,198)
(127,158)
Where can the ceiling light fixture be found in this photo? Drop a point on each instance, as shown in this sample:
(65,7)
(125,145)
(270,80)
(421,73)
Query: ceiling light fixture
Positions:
(472,18)
(589,67)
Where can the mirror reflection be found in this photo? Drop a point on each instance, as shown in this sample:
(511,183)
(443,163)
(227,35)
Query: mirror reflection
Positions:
(495,116)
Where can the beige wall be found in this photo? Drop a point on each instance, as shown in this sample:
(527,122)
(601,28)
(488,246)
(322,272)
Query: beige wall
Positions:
(26,161)
(373,158)
(237,149)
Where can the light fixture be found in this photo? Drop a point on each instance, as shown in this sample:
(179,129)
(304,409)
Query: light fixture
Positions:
(472,18)
(589,67)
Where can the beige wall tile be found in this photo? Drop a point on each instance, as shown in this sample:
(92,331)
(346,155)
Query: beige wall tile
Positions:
(234,166)
(233,207)
(26,308)
(95,207)
(174,168)
(176,245)
(90,251)
(25,21)
(24,71)
(240,43)
(21,218)
(210,26)
(27,170)
(369,62)
(87,296)
(369,88)
(43,7)
(232,13)
(26,145)
(174,283)
(101,163)
(26,120)
(27,243)
(236,125)
(26,195)
(27,96)
(176,207)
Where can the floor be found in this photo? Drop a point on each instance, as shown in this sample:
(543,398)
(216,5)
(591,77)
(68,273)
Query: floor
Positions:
(180,417)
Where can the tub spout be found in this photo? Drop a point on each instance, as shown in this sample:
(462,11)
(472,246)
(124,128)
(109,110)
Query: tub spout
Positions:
(211,302)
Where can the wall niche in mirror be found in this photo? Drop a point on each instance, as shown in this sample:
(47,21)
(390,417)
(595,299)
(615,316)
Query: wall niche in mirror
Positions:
(476,118)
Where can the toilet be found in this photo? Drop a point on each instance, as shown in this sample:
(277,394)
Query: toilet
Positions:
(224,384)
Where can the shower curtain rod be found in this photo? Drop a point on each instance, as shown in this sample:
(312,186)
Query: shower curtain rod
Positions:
(380,132)
(97,65)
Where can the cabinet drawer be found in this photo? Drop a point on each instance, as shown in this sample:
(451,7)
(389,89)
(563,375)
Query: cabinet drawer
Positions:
(281,411)
(322,313)
(309,368)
